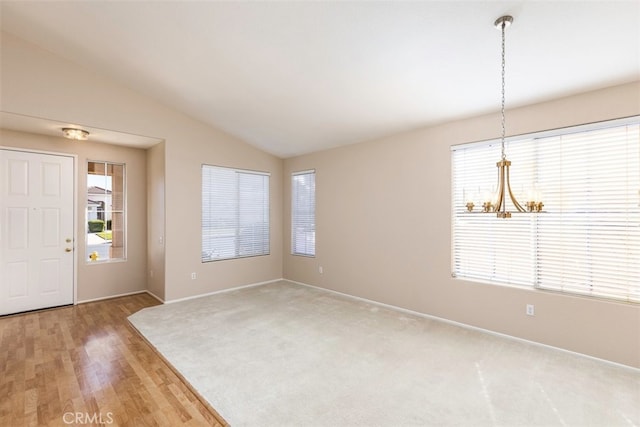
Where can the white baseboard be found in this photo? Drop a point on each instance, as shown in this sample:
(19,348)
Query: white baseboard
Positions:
(465,326)
(111,296)
(222,291)
(154,296)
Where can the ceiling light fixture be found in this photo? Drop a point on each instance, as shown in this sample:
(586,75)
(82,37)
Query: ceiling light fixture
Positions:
(498,203)
(77,134)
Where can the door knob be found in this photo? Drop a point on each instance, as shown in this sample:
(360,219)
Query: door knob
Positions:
(68,250)
(68,240)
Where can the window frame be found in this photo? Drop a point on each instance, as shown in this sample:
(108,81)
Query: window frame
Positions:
(123,211)
(236,237)
(542,224)
(295,212)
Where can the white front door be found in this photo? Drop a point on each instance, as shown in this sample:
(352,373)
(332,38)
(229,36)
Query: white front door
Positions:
(36,231)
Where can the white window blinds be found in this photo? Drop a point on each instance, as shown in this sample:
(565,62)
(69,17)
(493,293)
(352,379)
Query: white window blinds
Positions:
(303,213)
(235,213)
(587,241)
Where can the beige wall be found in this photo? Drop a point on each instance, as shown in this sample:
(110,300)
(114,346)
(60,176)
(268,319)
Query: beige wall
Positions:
(155,220)
(99,280)
(35,83)
(402,181)
(183,216)
(384,232)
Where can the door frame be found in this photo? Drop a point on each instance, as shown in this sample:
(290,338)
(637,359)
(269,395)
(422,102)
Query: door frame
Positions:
(74,157)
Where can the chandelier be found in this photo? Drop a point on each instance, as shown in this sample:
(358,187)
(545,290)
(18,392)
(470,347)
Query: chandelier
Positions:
(499,203)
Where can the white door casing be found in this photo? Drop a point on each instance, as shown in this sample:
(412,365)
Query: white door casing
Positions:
(37,254)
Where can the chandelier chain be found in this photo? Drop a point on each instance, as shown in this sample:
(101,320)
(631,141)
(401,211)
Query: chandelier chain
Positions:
(498,201)
(504,156)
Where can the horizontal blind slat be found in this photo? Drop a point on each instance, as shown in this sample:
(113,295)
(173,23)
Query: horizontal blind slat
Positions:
(588,242)
(235,213)
(303,216)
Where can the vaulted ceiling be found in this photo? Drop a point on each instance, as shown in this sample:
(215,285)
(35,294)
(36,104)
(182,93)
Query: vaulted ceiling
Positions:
(296,77)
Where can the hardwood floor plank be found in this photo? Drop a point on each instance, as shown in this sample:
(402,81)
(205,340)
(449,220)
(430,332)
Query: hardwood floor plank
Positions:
(87,361)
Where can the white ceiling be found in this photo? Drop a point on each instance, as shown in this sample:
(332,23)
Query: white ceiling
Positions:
(296,77)
(50,127)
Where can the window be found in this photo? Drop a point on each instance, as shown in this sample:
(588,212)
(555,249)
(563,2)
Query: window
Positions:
(588,240)
(106,229)
(303,213)
(235,213)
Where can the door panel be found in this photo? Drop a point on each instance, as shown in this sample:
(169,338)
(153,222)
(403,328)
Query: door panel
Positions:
(50,227)
(18,177)
(18,277)
(18,228)
(50,268)
(37,256)
(51,179)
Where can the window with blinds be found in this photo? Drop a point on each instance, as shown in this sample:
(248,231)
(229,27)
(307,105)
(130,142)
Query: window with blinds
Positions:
(588,239)
(235,213)
(303,213)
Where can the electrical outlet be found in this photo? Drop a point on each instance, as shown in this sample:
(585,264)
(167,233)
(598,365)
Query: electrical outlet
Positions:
(150,273)
(531,310)
(320,269)
(193,276)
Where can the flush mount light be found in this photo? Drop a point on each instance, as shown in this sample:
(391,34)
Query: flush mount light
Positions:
(77,134)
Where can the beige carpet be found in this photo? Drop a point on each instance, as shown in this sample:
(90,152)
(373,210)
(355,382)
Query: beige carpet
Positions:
(283,354)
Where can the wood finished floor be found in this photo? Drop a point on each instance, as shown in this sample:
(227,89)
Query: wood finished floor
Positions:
(87,365)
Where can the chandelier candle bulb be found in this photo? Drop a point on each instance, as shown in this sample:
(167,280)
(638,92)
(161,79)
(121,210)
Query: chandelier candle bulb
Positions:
(468,197)
(534,200)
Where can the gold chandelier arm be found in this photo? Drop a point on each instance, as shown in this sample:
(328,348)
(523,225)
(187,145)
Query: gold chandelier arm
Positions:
(500,202)
(504,183)
(513,199)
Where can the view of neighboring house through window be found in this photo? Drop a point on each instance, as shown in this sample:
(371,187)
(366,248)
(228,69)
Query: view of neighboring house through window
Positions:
(105,211)
(303,213)
(235,213)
